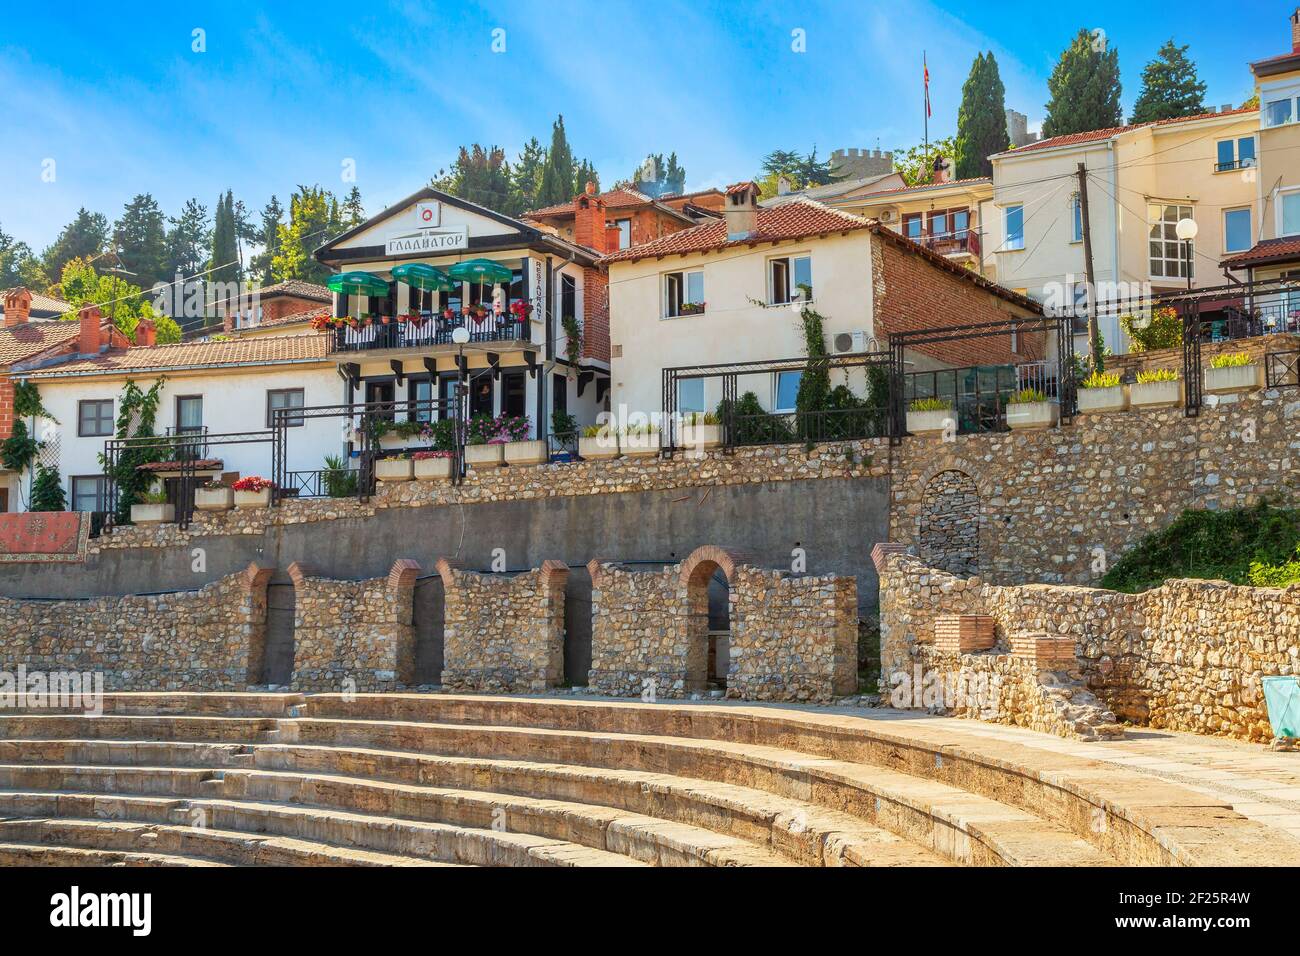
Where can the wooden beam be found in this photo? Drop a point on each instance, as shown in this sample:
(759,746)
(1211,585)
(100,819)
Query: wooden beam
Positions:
(399,375)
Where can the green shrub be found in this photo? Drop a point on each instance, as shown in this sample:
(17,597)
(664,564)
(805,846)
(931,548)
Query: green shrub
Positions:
(1218,545)
(1275,575)
(1230,360)
(753,425)
(1025,396)
(1100,380)
(1165,331)
(47,491)
(339,481)
(1156,375)
(930,405)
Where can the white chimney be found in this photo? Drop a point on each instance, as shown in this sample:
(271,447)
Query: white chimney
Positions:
(782,186)
(741,210)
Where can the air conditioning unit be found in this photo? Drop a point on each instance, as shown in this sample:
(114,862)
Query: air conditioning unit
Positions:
(856,341)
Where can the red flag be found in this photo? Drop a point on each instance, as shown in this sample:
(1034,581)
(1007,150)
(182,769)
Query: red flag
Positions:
(926,67)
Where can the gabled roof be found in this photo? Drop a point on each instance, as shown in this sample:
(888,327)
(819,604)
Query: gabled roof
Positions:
(253,351)
(1282,63)
(303,315)
(1285,249)
(47,304)
(620,197)
(298,289)
(793,220)
(26,341)
(1100,135)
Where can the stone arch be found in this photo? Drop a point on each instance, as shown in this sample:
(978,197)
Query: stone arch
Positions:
(948,536)
(702,645)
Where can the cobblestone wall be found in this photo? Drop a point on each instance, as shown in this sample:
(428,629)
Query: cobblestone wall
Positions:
(640,642)
(503,632)
(208,639)
(353,635)
(1188,655)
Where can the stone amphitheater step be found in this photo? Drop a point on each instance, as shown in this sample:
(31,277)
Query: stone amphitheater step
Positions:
(639,836)
(24,854)
(251,833)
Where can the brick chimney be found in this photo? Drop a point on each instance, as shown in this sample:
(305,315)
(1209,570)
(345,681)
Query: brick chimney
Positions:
(1295,31)
(145,334)
(940,170)
(18,306)
(741,210)
(89,340)
(589,220)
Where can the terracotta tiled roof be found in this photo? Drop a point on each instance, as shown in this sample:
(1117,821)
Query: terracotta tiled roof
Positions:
(298,289)
(199,464)
(305,315)
(793,220)
(41,303)
(618,198)
(260,350)
(1286,249)
(1096,135)
(907,189)
(740,187)
(673,197)
(32,338)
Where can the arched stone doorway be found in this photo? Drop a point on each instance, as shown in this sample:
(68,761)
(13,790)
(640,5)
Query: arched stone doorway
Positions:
(949,533)
(708,636)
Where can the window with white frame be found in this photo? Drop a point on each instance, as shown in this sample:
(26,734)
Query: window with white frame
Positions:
(1235,154)
(1014,217)
(1288,213)
(1237,234)
(690,395)
(788,278)
(1076,219)
(89,493)
(1167,252)
(1279,108)
(683,293)
(785,391)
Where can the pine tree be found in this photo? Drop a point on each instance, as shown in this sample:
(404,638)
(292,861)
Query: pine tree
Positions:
(981,120)
(47,491)
(1085,88)
(140,238)
(1170,87)
(480,175)
(188,240)
(85,236)
(526,178)
(354,214)
(269,236)
(585,173)
(558,172)
(675,175)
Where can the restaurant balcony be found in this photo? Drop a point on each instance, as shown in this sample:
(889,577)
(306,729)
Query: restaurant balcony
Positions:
(960,242)
(427,333)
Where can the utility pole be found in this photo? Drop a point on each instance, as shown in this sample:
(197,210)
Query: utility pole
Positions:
(1094,332)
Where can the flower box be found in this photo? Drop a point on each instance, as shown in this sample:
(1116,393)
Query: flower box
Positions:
(430,468)
(1094,401)
(932,423)
(639,446)
(600,446)
(214,499)
(253,499)
(1029,415)
(484,456)
(153,513)
(526,452)
(1232,379)
(701,436)
(393,469)
(1156,394)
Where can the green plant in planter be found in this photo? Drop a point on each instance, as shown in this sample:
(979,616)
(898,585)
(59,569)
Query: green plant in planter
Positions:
(752,424)
(1146,376)
(1101,380)
(339,480)
(1230,360)
(596,431)
(157,497)
(47,491)
(930,405)
(572,341)
(1026,396)
(562,423)
(701,418)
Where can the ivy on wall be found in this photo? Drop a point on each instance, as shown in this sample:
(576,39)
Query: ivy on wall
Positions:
(18,450)
(136,417)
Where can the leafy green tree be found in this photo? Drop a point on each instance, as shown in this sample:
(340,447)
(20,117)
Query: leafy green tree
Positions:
(123,302)
(140,239)
(84,237)
(137,416)
(1170,87)
(314,217)
(558,172)
(189,240)
(981,120)
(16,261)
(916,163)
(1085,87)
(47,491)
(480,175)
(268,235)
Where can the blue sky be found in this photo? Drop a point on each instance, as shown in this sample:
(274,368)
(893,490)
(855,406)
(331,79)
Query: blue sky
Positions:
(286,92)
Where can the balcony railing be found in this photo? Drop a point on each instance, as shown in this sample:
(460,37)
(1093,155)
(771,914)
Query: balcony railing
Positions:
(953,243)
(429,331)
(1247,163)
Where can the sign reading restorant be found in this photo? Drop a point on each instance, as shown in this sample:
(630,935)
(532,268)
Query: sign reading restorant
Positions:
(421,242)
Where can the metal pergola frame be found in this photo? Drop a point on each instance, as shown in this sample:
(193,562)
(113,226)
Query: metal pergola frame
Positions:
(900,342)
(730,372)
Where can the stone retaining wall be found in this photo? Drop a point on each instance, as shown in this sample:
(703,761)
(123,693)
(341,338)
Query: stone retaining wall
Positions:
(1188,655)
(208,639)
(640,644)
(353,635)
(502,632)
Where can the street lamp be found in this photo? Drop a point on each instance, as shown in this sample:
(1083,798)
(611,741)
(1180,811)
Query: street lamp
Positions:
(459,337)
(1186,231)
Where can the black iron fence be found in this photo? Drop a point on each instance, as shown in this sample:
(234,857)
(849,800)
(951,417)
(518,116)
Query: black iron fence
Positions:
(402,332)
(321,483)
(1282,369)
(824,425)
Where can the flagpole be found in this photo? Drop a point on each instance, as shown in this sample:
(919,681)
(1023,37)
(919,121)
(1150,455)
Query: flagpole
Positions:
(925,71)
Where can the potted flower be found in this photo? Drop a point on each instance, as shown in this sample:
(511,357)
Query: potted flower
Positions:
(1102,392)
(1030,408)
(483,449)
(153,508)
(701,430)
(598,441)
(519,448)
(432,464)
(394,469)
(253,492)
(930,416)
(692,308)
(1231,374)
(521,309)
(1156,388)
(640,441)
(214,496)
(321,321)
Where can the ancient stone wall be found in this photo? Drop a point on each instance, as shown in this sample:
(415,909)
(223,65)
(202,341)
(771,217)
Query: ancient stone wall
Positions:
(208,639)
(353,635)
(1188,655)
(640,643)
(503,632)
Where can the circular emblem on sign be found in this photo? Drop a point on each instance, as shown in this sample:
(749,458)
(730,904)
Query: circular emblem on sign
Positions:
(426,215)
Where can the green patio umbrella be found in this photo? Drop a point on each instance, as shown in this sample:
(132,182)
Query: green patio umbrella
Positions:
(425,278)
(480,271)
(357,283)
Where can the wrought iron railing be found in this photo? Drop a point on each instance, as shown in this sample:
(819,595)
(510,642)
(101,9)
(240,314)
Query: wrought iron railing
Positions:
(826,425)
(979,393)
(429,331)
(321,483)
(1282,369)
(562,446)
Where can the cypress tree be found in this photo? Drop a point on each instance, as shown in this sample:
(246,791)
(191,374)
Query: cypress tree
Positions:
(558,173)
(1085,88)
(981,119)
